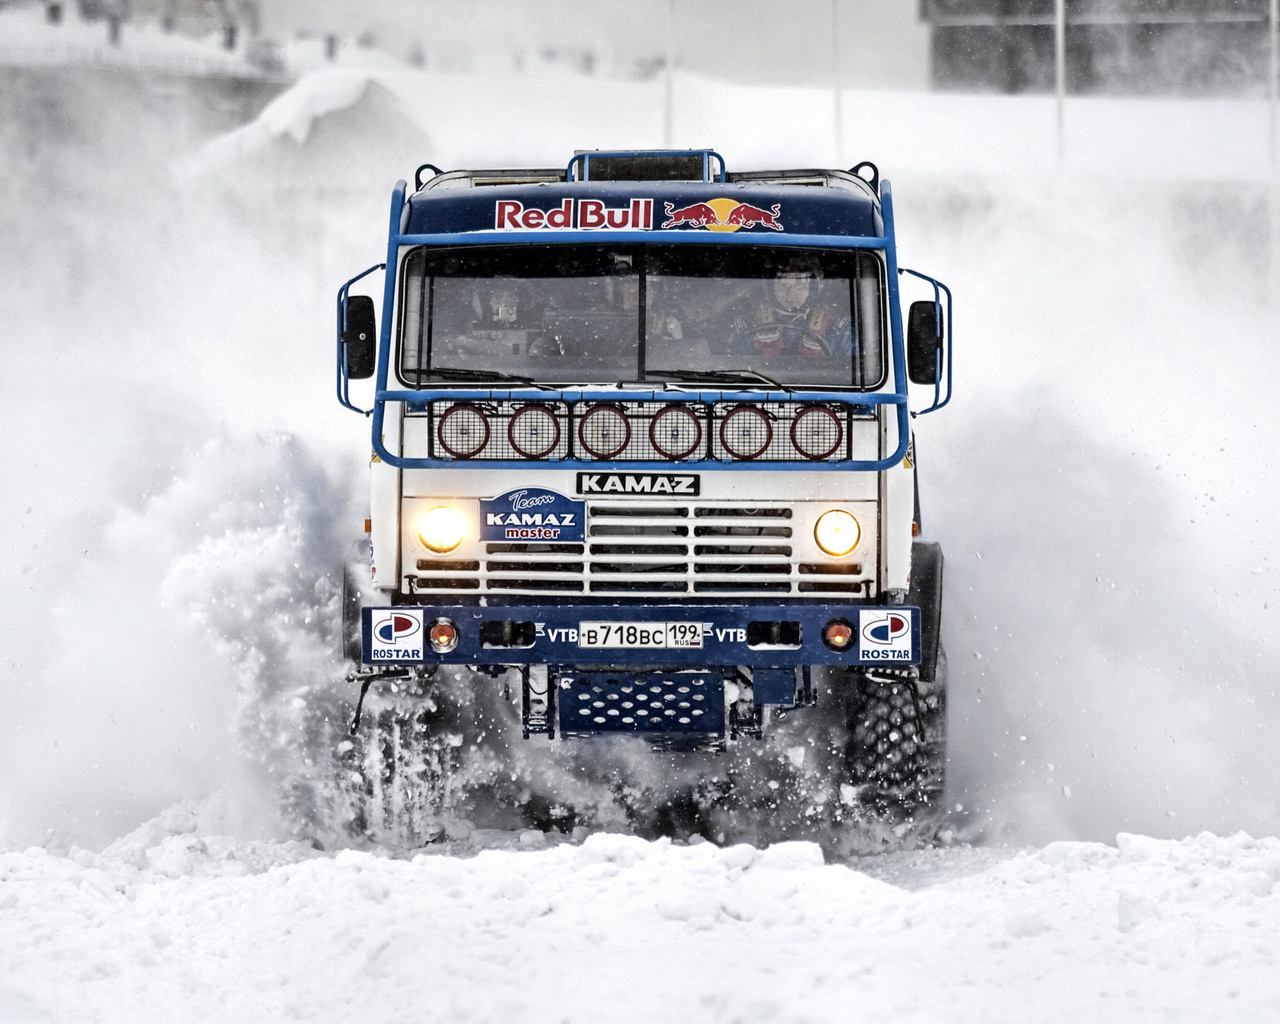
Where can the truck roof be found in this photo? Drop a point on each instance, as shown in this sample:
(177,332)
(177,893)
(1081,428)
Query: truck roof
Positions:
(764,203)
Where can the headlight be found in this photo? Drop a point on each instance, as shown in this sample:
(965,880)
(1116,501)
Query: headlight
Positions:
(837,532)
(442,529)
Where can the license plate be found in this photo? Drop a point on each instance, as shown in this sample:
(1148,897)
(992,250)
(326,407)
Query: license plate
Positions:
(639,635)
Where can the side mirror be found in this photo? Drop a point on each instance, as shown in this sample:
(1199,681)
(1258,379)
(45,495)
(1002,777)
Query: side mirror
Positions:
(360,337)
(924,342)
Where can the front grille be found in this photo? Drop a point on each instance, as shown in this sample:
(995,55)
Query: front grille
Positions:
(664,550)
(639,431)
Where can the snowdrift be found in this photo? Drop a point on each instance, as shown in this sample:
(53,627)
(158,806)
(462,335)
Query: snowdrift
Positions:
(168,924)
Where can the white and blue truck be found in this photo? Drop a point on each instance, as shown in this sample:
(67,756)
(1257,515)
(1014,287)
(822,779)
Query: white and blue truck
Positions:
(642,451)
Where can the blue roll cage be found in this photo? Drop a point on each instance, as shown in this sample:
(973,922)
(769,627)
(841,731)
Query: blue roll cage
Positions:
(421,397)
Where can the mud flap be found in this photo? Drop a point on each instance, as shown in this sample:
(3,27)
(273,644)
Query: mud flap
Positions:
(355,569)
(926,594)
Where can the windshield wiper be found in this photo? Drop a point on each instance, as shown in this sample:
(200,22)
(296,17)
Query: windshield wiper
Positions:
(458,373)
(718,377)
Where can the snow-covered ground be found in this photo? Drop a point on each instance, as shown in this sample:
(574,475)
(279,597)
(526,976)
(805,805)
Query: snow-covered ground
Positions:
(168,924)
(179,485)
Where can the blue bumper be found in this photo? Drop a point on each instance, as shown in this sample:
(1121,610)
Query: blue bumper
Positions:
(672,635)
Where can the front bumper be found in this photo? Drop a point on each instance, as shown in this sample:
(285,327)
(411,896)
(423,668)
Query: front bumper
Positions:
(766,635)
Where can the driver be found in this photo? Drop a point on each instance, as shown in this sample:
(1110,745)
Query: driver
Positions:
(792,323)
(498,326)
(499,309)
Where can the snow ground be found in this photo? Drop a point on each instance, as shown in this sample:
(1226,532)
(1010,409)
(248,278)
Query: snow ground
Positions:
(180,483)
(170,924)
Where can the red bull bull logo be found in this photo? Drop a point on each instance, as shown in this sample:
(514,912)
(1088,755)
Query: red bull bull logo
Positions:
(722,215)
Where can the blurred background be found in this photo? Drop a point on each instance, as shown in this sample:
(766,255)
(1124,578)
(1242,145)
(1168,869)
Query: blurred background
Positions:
(187,183)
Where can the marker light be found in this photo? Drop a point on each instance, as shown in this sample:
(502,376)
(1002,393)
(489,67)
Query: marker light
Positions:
(838,635)
(837,532)
(443,636)
(442,529)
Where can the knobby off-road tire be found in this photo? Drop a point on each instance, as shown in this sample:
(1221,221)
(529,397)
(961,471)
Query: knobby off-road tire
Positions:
(396,771)
(399,770)
(896,754)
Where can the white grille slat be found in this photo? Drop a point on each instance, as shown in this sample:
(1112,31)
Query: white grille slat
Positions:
(725,543)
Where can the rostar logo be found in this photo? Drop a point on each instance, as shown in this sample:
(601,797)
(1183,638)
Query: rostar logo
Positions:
(722,215)
(394,634)
(396,627)
(884,629)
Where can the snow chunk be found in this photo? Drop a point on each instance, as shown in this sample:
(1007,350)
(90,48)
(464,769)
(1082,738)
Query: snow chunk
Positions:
(1026,924)
(293,112)
(604,848)
(791,856)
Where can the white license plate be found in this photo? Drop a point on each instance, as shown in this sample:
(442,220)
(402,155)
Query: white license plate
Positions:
(639,635)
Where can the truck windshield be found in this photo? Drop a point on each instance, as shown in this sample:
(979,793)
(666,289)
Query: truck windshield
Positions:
(604,314)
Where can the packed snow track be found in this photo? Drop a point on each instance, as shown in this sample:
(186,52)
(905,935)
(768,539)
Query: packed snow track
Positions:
(170,925)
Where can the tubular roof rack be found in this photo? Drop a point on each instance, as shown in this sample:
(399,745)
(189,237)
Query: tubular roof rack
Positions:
(704,165)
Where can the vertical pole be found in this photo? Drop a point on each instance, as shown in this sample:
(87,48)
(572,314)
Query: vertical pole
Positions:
(1273,82)
(1060,71)
(838,103)
(669,88)
(1273,95)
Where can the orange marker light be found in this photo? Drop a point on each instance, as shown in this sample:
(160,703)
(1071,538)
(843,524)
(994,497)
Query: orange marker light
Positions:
(443,636)
(838,635)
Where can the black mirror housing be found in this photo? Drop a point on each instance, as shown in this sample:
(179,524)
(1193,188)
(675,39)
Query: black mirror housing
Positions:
(360,337)
(924,342)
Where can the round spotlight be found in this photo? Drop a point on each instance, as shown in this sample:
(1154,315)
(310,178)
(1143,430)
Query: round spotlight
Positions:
(675,432)
(604,432)
(442,529)
(816,432)
(837,532)
(838,635)
(534,432)
(746,432)
(463,431)
(442,635)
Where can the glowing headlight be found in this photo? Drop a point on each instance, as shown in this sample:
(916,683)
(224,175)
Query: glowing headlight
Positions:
(442,529)
(837,532)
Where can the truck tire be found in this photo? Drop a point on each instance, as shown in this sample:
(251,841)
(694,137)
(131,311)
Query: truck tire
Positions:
(399,771)
(896,753)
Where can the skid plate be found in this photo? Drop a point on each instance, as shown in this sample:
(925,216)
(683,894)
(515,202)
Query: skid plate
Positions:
(591,703)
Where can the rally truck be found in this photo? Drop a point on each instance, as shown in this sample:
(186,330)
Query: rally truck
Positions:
(644,477)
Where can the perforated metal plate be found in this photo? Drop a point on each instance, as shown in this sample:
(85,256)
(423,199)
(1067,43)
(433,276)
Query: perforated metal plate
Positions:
(643,702)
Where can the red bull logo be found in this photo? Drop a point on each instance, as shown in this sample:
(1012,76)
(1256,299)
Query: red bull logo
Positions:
(585,215)
(636,215)
(722,215)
